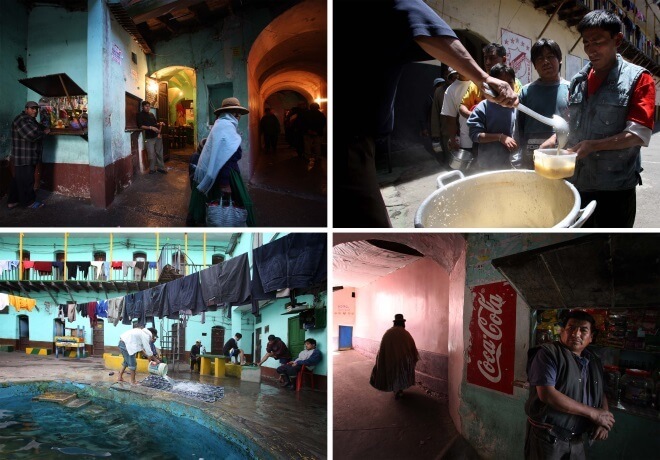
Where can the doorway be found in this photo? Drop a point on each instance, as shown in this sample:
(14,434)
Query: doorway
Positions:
(257,344)
(177,102)
(345,337)
(23,333)
(296,337)
(217,339)
(98,338)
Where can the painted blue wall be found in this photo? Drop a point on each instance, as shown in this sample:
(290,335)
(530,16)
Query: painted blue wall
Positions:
(13,41)
(57,43)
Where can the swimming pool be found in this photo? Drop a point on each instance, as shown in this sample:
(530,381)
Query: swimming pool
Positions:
(119,424)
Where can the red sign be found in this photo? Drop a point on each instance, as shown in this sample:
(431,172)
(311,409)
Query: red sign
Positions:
(493,337)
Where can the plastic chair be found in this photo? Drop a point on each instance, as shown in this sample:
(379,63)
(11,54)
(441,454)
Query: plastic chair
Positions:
(302,373)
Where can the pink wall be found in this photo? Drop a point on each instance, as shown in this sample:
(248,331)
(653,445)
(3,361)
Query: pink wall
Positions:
(421,292)
(456,339)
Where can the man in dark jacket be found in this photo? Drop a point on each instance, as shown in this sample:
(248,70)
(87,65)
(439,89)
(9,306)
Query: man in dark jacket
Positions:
(195,356)
(27,146)
(276,349)
(269,126)
(566,399)
(313,125)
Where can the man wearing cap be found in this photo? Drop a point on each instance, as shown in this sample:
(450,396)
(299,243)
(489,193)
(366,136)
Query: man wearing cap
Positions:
(27,146)
(219,157)
(195,356)
(153,141)
(131,343)
(396,360)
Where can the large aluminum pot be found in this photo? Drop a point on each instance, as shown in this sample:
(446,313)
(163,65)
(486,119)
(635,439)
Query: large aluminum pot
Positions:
(502,199)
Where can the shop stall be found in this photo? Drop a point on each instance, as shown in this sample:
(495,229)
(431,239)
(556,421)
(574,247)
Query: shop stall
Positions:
(63,105)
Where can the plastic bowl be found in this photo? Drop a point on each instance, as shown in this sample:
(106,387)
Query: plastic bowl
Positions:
(549,164)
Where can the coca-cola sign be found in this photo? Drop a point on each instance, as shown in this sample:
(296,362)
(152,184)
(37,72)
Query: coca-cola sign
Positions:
(492,337)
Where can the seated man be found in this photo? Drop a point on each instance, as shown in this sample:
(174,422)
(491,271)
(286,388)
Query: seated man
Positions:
(231,349)
(194,356)
(309,357)
(276,349)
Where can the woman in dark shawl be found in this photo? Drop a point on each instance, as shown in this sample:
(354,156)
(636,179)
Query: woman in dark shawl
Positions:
(396,360)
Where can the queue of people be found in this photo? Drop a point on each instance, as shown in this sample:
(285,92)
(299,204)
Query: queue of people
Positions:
(608,166)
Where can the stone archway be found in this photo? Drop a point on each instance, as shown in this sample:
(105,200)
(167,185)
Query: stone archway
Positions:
(290,54)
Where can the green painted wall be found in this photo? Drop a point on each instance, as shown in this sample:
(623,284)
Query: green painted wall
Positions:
(13,43)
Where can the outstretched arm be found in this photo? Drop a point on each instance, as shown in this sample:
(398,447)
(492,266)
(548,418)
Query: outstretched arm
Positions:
(451,51)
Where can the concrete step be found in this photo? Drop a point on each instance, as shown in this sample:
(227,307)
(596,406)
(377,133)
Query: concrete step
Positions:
(78,403)
(56,397)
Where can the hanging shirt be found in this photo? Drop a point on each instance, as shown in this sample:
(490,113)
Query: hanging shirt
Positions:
(102,309)
(4,301)
(6,265)
(115,310)
(98,269)
(22,303)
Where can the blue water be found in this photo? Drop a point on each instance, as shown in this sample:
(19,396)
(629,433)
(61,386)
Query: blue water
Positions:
(103,429)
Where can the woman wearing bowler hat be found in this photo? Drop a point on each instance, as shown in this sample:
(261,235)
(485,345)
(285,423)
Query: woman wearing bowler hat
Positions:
(213,175)
(396,360)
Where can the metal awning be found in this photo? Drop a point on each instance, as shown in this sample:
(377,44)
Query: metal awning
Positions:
(596,271)
(56,85)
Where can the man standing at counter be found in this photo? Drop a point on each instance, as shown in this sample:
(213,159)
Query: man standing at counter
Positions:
(27,146)
(566,399)
(152,138)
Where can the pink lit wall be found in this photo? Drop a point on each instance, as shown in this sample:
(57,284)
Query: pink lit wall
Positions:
(420,292)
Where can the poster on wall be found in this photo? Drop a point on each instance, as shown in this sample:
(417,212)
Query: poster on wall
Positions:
(491,351)
(573,66)
(518,54)
(151,91)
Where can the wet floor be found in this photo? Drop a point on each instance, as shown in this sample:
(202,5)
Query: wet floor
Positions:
(284,193)
(287,423)
(368,423)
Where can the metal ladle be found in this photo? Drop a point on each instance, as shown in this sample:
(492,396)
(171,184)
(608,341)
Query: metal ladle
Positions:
(557,122)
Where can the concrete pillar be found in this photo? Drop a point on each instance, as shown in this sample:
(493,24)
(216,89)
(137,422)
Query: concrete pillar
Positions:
(99,109)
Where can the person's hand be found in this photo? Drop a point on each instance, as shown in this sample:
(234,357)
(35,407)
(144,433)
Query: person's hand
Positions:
(582,148)
(452,143)
(549,143)
(600,434)
(602,418)
(504,94)
(509,142)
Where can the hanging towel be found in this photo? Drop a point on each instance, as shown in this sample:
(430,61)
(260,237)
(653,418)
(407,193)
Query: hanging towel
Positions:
(116,265)
(153,265)
(72,269)
(27,264)
(44,268)
(115,310)
(98,269)
(59,266)
(6,265)
(71,312)
(62,311)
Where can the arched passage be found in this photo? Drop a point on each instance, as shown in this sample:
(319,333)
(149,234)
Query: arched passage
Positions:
(177,100)
(289,56)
